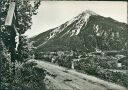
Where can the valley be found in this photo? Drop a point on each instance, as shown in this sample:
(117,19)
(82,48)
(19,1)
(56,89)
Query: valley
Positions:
(88,43)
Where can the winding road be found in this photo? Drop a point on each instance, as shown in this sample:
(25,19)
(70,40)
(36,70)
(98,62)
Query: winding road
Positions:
(60,78)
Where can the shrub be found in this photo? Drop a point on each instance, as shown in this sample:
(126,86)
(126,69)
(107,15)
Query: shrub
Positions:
(115,77)
(91,66)
(5,67)
(65,61)
(29,77)
(88,66)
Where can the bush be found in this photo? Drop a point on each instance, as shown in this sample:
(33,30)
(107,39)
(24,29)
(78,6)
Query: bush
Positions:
(115,77)
(29,77)
(91,66)
(64,61)
(88,66)
(5,67)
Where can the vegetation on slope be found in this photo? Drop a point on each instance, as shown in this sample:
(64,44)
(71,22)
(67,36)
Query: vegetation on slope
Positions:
(15,75)
(104,67)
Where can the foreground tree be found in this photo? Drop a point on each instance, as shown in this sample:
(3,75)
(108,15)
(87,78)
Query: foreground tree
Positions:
(12,37)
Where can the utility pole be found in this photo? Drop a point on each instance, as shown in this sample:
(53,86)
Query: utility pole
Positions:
(10,24)
(127,12)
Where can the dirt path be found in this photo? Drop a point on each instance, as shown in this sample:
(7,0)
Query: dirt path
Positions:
(59,78)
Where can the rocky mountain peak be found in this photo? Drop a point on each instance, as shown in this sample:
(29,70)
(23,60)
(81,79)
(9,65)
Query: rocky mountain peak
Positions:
(86,32)
(88,12)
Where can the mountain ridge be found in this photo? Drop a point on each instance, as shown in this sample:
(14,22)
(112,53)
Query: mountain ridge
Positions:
(86,26)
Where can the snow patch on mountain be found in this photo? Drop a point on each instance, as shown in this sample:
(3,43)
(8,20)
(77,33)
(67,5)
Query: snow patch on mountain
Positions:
(80,23)
(59,29)
(82,19)
(53,33)
(98,31)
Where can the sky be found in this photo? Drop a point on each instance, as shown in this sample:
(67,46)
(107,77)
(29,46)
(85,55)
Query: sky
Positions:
(54,13)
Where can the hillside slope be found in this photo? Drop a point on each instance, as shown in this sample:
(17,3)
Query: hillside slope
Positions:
(86,32)
(59,78)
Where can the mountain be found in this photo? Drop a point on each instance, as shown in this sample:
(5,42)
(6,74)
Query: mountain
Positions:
(87,32)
